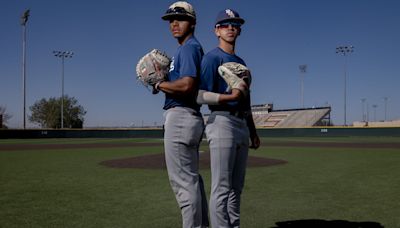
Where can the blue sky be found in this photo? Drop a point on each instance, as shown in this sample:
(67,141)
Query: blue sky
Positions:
(109,36)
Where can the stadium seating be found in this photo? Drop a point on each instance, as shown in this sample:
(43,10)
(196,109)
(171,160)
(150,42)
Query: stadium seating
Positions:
(265,117)
(291,118)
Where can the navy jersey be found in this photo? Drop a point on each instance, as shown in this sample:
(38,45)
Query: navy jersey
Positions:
(211,81)
(185,62)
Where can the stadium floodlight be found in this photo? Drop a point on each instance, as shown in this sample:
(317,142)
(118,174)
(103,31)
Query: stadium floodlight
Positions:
(374,106)
(385,99)
(303,70)
(62,55)
(345,51)
(24,20)
(363,109)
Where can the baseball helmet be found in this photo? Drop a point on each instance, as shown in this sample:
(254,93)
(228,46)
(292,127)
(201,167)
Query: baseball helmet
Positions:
(228,15)
(180,8)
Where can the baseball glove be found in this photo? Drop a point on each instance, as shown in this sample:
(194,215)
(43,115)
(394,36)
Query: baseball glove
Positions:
(153,68)
(236,75)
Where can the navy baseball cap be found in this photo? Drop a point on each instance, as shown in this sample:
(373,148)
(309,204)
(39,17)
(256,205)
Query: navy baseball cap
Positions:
(228,15)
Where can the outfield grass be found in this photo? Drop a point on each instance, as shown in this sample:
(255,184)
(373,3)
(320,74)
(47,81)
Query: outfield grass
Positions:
(68,187)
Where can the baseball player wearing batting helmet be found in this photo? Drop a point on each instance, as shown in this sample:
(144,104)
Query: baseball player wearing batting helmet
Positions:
(229,127)
(184,124)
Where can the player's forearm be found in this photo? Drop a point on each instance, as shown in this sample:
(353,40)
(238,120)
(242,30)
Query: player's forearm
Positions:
(250,124)
(211,98)
(234,96)
(182,86)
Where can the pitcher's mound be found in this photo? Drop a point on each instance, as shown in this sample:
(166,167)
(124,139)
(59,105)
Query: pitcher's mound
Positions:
(157,161)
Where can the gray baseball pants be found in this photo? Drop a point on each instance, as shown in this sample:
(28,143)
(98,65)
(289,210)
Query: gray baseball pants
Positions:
(183,133)
(228,138)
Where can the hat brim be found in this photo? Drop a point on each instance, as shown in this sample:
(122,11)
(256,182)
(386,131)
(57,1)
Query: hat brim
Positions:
(237,19)
(170,16)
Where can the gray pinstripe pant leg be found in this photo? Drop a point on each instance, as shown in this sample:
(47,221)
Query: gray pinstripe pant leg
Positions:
(182,136)
(228,137)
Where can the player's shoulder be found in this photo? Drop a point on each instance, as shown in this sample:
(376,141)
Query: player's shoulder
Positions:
(192,45)
(193,41)
(240,60)
(214,54)
(234,58)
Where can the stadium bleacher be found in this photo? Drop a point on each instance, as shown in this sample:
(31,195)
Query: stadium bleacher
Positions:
(265,116)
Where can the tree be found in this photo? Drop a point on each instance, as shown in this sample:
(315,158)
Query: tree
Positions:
(4,117)
(47,113)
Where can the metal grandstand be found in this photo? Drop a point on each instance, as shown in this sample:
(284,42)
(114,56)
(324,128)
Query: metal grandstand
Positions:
(265,116)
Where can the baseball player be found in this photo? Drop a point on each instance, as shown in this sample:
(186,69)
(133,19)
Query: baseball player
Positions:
(183,121)
(229,127)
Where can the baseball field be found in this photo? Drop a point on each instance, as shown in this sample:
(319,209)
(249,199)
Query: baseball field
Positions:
(290,182)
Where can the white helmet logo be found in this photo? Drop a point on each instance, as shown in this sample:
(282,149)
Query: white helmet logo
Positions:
(229,13)
(182,4)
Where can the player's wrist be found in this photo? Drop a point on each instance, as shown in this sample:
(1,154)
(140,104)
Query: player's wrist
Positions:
(237,94)
(157,86)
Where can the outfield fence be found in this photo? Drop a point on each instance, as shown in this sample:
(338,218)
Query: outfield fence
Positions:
(158,132)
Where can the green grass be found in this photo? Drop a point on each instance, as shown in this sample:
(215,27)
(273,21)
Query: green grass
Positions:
(68,187)
(331,184)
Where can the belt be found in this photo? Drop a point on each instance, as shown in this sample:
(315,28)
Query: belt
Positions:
(238,114)
(193,111)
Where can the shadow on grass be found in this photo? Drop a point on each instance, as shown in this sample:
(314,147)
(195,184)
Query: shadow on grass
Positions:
(319,223)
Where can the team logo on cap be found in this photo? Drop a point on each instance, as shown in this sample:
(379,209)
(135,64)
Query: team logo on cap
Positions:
(229,13)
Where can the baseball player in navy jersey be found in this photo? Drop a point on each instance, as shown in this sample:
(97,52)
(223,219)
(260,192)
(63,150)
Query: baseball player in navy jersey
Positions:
(229,127)
(183,121)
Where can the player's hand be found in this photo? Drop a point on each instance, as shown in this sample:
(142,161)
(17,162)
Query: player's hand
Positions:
(155,91)
(236,94)
(156,88)
(255,142)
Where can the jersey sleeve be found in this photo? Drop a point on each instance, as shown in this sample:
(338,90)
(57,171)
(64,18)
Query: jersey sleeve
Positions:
(190,60)
(209,70)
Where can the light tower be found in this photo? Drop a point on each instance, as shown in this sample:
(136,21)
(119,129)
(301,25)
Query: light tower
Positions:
(375,106)
(385,99)
(62,55)
(363,109)
(345,51)
(303,70)
(24,20)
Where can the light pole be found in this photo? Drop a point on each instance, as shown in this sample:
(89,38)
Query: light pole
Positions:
(345,50)
(385,99)
(303,69)
(62,55)
(363,108)
(24,19)
(375,106)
